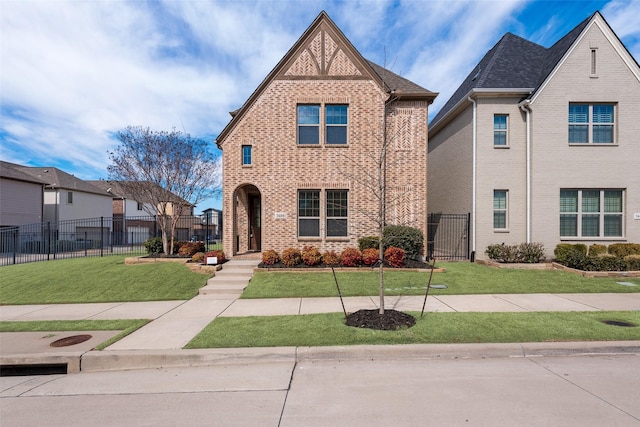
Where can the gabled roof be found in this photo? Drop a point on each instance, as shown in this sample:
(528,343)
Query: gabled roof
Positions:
(300,62)
(56,178)
(513,63)
(118,189)
(12,171)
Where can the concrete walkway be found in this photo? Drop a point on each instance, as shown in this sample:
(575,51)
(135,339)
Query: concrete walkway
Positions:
(175,323)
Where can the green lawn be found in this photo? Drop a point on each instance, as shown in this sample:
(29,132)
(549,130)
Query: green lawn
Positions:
(96,279)
(126,326)
(329,329)
(460,278)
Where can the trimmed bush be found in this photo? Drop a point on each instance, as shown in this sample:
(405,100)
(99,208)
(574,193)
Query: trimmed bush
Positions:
(394,257)
(198,257)
(311,255)
(330,258)
(370,256)
(633,262)
(291,257)
(191,248)
(606,262)
(351,257)
(597,249)
(525,252)
(621,250)
(270,257)
(501,252)
(368,242)
(407,238)
(153,245)
(217,253)
(562,249)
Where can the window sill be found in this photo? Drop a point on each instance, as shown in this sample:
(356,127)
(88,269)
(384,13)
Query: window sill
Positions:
(309,239)
(338,239)
(336,145)
(309,145)
(593,144)
(593,239)
(501,230)
(501,147)
(247,166)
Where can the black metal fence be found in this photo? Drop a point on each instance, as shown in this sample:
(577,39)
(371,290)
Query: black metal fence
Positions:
(448,236)
(93,237)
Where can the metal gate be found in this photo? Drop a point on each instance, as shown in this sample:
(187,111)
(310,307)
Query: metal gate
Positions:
(448,236)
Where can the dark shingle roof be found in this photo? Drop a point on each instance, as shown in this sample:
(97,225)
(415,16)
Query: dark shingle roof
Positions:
(12,171)
(398,83)
(58,178)
(513,63)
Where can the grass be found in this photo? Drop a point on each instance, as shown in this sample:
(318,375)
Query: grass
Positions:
(126,326)
(96,279)
(329,329)
(460,278)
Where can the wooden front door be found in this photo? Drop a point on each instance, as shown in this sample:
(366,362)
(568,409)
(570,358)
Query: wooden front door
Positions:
(255,224)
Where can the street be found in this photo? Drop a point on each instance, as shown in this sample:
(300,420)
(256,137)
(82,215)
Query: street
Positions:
(581,390)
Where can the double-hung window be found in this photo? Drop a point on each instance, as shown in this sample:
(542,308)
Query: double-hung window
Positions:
(308,124)
(337,213)
(500,209)
(591,123)
(69,197)
(500,126)
(336,119)
(309,213)
(591,213)
(246,155)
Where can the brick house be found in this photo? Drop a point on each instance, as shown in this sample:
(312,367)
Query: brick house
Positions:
(541,144)
(298,155)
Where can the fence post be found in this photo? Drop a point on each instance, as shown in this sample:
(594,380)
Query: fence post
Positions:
(15,245)
(101,236)
(48,240)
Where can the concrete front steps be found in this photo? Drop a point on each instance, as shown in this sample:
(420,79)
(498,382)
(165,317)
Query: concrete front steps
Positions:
(232,278)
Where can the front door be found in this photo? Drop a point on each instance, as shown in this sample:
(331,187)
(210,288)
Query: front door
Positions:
(255,229)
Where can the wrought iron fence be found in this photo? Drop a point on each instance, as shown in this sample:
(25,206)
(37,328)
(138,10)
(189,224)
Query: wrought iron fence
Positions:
(93,237)
(448,236)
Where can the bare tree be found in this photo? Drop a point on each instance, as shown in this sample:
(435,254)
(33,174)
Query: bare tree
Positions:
(167,172)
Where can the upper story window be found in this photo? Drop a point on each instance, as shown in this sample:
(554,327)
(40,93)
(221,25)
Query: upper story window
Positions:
(336,119)
(69,197)
(139,207)
(591,123)
(246,155)
(591,213)
(500,127)
(308,124)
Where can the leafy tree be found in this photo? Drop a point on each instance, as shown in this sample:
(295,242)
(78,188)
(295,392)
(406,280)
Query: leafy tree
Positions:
(168,172)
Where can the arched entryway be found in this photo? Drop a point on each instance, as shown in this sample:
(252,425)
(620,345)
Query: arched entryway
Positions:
(247,223)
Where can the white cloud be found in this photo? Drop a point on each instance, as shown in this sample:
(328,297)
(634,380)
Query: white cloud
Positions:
(623,18)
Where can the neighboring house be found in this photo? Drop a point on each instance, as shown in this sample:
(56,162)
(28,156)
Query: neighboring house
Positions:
(21,196)
(542,144)
(296,154)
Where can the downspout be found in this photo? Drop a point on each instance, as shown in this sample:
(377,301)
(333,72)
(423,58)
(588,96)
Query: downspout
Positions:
(472,255)
(526,107)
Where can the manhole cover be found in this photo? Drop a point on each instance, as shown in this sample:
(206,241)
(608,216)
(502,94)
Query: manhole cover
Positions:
(438,286)
(72,340)
(619,323)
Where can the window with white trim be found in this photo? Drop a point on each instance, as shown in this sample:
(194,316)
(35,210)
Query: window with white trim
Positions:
(500,128)
(591,123)
(309,213)
(308,124)
(337,213)
(500,204)
(336,119)
(246,155)
(591,213)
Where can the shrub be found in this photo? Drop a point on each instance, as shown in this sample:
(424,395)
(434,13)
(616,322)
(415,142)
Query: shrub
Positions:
(291,257)
(330,258)
(153,245)
(606,262)
(574,259)
(270,257)
(633,262)
(596,249)
(311,255)
(198,257)
(217,253)
(501,252)
(530,253)
(191,248)
(370,256)
(562,249)
(368,242)
(621,250)
(394,256)
(407,238)
(351,257)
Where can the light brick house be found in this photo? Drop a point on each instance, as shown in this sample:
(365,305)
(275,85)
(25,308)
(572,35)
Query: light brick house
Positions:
(297,153)
(541,144)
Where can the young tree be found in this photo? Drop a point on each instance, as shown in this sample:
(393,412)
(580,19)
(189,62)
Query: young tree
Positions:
(168,172)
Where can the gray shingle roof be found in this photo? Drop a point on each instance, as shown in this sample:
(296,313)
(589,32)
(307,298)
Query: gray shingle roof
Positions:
(58,178)
(513,63)
(398,83)
(12,171)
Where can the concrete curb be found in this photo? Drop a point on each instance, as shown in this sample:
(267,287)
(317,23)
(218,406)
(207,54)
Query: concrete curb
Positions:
(95,361)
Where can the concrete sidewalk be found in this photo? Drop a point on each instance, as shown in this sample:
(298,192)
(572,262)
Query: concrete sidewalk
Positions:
(175,323)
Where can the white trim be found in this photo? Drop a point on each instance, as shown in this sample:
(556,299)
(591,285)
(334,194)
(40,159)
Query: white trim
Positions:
(473,175)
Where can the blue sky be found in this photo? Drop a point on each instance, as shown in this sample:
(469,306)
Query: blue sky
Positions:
(74,72)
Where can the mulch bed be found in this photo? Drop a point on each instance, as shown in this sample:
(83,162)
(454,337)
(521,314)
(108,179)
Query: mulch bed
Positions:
(410,263)
(391,320)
